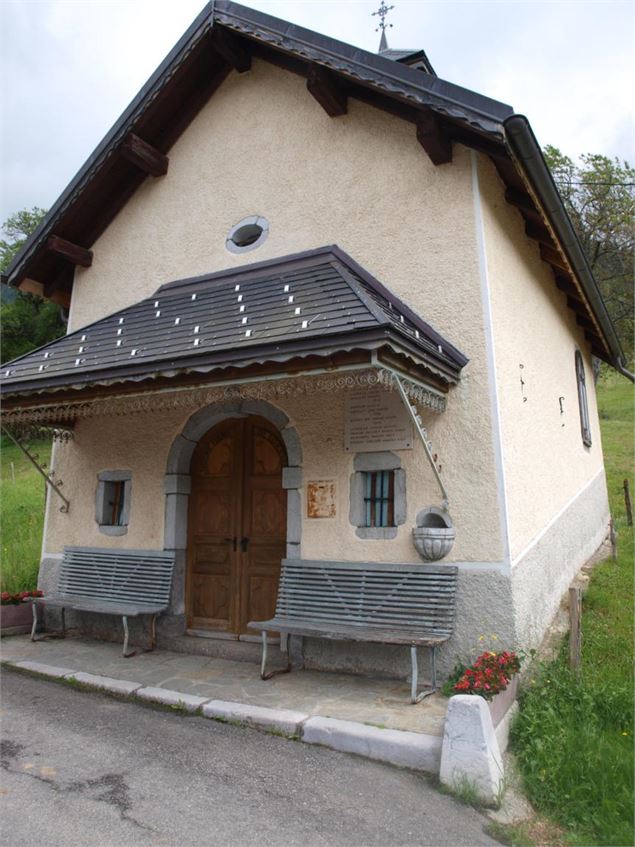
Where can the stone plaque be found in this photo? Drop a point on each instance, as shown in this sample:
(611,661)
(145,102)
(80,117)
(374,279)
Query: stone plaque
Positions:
(321,498)
(376,420)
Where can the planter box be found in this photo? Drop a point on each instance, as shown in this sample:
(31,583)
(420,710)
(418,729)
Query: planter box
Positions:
(500,705)
(16,619)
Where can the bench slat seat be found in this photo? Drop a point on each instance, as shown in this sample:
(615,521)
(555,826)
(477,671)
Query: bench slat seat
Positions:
(109,581)
(372,634)
(404,604)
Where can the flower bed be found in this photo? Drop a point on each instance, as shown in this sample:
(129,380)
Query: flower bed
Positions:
(7,599)
(16,614)
(490,674)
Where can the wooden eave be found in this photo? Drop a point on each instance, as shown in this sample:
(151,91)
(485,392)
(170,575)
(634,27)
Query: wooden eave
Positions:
(189,76)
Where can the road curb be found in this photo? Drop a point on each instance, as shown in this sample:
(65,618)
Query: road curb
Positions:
(414,750)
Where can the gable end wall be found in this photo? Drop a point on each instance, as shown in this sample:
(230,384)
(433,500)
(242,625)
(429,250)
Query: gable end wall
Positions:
(555,488)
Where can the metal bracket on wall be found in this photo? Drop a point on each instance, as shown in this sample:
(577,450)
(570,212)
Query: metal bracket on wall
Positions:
(34,459)
(423,435)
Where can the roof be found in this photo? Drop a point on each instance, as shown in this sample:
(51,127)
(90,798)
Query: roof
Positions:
(317,302)
(223,38)
(413,58)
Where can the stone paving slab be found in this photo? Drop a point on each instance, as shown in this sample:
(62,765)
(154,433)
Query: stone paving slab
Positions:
(382,703)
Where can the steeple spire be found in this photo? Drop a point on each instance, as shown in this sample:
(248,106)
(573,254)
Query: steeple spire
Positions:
(381,13)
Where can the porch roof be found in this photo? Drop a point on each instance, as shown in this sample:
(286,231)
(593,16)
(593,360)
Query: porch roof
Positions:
(317,303)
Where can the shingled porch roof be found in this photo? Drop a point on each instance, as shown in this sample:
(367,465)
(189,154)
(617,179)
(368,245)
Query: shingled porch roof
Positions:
(307,310)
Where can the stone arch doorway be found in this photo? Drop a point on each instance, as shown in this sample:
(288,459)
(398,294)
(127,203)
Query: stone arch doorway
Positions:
(178,485)
(237,533)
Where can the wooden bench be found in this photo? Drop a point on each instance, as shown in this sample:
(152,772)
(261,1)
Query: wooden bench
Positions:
(112,582)
(382,603)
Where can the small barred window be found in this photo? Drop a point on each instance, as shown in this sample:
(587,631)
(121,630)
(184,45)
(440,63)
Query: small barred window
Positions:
(379,498)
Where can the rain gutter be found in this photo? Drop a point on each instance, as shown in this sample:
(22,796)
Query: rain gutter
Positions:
(525,149)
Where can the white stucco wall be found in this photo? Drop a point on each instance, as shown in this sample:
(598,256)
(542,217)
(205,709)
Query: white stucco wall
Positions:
(262,145)
(535,338)
(141,443)
(557,505)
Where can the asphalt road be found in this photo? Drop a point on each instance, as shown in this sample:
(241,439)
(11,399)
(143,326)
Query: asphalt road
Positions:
(83,770)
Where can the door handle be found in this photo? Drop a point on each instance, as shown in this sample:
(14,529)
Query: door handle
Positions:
(231,541)
(244,542)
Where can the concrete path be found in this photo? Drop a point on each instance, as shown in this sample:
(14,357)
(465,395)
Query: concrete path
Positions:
(83,769)
(377,702)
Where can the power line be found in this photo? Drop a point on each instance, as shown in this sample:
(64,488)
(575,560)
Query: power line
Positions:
(582,182)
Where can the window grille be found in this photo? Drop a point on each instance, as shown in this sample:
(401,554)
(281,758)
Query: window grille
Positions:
(114,502)
(379,498)
(585,424)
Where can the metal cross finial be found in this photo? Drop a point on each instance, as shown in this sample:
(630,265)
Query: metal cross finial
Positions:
(381,13)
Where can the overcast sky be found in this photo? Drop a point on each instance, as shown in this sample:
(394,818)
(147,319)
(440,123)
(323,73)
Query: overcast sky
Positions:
(70,67)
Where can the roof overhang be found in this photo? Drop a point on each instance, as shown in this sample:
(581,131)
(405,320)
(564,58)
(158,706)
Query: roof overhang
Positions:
(312,311)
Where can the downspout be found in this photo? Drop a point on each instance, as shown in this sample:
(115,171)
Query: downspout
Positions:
(525,149)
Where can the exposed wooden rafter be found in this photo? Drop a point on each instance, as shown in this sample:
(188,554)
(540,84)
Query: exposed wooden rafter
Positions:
(521,200)
(231,49)
(326,89)
(568,288)
(433,138)
(144,155)
(70,252)
(539,233)
(553,257)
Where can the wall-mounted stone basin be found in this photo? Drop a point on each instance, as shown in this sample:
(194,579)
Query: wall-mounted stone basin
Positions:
(434,534)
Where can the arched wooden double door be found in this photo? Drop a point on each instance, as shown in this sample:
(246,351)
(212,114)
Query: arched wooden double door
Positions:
(237,525)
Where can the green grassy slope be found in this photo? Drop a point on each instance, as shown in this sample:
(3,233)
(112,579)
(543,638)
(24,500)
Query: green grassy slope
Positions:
(574,738)
(21,516)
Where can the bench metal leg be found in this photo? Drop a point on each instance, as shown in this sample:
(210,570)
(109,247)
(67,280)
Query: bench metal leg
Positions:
(126,654)
(34,627)
(414,697)
(263,664)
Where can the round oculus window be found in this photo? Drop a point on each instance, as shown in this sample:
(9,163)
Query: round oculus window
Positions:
(247,234)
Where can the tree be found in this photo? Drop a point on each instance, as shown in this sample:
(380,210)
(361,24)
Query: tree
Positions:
(598,194)
(27,321)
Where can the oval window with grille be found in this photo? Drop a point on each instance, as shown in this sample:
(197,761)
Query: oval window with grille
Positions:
(247,234)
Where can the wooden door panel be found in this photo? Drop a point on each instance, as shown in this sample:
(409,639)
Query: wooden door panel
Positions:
(267,510)
(213,513)
(237,525)
(211,601)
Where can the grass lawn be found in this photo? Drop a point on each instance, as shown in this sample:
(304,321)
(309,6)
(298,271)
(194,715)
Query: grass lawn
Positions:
(21,516)
(574,738)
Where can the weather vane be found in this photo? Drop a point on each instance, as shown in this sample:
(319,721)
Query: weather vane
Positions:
(381,13)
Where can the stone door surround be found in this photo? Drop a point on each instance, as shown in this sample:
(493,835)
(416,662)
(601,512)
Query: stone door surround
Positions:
(178,483)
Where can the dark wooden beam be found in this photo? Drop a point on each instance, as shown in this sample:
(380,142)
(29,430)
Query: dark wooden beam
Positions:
(231,49)
(69,252)
(520,199)
(577,306)
(144,155)
(567,287)
(584,322)
(324,86)
(539,233)
(433,138)
(548,254)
